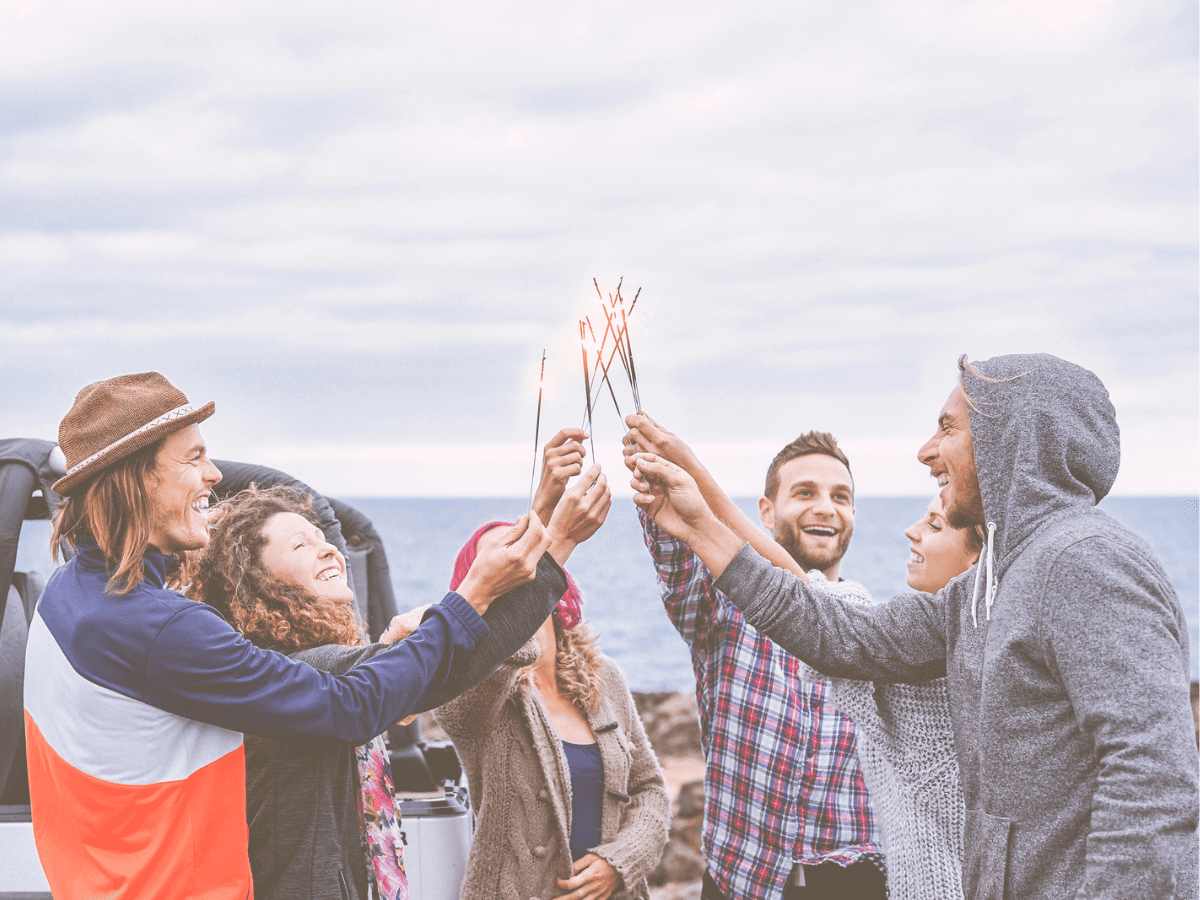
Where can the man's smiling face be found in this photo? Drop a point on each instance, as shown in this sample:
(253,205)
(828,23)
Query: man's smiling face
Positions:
(950,455)
(177,488)
(812,512)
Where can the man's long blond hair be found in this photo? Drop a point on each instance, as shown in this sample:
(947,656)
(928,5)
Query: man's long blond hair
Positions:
(114,511)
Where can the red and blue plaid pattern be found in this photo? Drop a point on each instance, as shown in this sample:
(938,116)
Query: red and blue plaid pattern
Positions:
(782,780)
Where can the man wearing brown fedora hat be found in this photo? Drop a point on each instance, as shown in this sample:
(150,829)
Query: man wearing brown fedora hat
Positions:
(136,697)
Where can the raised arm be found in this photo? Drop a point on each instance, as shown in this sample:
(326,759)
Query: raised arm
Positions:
(515,616)
(903,640)
(511,619)
(579,514)
(672,499)
(505,563)
(646,436)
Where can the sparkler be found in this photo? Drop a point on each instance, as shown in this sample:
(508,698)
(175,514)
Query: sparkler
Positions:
(587,387)
(538,426)
(604,369)
(622,348)
(637,397)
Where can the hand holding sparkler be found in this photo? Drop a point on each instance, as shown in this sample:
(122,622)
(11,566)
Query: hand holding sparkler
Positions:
(671,498)
(579,514)
(647,436)
(507,558)
(562,459)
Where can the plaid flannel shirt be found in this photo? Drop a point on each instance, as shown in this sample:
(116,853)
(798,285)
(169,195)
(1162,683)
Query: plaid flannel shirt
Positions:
(782,779)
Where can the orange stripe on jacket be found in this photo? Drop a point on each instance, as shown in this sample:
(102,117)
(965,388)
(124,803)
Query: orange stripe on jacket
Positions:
(176,840)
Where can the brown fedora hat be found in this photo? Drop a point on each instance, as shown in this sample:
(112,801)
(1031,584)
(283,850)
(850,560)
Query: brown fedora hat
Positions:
(111,419)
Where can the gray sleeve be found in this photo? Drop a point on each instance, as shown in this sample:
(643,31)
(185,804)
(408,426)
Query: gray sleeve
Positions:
(903,640)
(1115,633)
(337,659)
(512,620)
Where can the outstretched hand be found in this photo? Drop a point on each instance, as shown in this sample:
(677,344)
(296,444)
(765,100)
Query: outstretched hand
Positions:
(507,558)
(594,878)
(562,459)
(669,496)
(403,625)
(580,513)
(647,436)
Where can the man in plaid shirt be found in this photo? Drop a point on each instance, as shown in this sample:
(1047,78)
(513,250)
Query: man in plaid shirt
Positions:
(786,811)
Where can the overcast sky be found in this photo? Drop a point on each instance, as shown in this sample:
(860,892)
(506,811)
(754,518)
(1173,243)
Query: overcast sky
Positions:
(356,226)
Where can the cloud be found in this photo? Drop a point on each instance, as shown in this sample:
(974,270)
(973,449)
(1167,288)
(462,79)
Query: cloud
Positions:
(363,224)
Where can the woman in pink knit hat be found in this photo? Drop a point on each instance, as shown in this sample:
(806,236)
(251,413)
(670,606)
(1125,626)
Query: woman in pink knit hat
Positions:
(569,797)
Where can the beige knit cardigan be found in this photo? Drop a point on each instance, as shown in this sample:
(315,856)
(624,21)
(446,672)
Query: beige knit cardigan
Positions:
(521,787)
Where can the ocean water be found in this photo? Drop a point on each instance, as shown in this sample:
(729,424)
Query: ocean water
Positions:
(423,536)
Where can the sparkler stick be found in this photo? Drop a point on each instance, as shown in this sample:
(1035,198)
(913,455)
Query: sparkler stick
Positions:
(603,337)
(598,371)
(620,349)
(587,388)
(623,348)
(604,370)
(637,397)
(538,426)
(623,331)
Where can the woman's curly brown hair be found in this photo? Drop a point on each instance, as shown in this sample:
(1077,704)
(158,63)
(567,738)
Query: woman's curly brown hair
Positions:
(229,575)
(577,665)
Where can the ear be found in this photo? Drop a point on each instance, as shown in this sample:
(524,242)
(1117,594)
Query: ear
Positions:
(766,513)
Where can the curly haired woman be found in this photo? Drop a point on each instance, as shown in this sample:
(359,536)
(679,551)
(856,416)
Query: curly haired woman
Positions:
(569,797)
(321,815)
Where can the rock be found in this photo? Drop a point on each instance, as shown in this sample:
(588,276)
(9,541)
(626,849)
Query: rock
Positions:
(688,891)
(690,802)
(681,862)
(671,721)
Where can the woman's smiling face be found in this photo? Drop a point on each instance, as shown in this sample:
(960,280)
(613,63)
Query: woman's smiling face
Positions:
(939,552)
(297,553)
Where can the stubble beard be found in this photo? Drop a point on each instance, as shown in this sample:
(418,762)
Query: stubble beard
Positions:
(788,537)
(966,514)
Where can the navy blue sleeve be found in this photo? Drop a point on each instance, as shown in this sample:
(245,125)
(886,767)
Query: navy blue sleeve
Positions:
(201,668)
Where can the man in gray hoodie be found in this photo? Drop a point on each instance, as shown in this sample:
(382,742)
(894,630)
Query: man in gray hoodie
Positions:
(1065,648)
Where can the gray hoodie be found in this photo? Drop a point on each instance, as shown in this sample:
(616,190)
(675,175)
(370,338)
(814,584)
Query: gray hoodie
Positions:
(1065,651)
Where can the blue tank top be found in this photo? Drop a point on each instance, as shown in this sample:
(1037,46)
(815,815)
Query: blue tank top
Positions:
(587,795)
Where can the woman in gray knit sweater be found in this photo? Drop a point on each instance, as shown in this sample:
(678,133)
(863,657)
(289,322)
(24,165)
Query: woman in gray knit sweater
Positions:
(905,740)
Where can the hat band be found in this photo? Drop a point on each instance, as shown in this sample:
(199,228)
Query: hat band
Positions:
(177,413)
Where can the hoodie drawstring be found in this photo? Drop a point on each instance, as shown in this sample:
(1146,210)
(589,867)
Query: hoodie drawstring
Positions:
(990,592)
(991,581)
